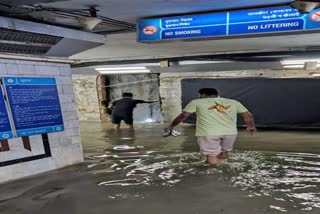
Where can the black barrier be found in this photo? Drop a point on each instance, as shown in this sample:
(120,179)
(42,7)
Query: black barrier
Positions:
(274,102)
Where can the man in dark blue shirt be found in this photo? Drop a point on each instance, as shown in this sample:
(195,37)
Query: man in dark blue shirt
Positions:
(122,109)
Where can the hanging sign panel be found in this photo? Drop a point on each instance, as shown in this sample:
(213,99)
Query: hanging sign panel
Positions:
(5,128)
(273,20)
(34,104)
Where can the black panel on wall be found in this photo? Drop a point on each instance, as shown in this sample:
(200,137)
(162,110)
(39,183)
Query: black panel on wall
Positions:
(283,103)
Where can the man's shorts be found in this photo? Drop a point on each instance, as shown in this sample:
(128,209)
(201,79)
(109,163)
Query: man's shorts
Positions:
(214,145)
(116,119)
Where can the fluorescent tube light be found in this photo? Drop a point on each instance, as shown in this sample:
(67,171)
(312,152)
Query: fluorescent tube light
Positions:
(298,62)
(122,70)
(293,66)
(293,62)
(195,62)
(119,68)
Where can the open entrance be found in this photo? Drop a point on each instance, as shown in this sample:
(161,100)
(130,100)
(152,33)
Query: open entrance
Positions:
(142,86)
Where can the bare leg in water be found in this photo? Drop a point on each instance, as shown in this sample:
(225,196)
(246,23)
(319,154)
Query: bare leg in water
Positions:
(129,126)
(213,160)
(216,160)
(116,126)
(224,155)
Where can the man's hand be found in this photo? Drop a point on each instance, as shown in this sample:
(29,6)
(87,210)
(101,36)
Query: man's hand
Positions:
(168,129)
(251,130)
(110,106)
(182,117)
(248,119)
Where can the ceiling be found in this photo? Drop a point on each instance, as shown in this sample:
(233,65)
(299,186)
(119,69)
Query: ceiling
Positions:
(124,47)
(119,18)
(117,15)
(30,38)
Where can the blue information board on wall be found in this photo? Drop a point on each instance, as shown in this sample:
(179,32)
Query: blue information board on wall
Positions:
(5,128)
(282,19)
(34,104)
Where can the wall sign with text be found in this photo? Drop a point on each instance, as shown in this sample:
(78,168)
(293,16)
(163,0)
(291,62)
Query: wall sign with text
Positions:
(33,106)
(282,19)
(5,127)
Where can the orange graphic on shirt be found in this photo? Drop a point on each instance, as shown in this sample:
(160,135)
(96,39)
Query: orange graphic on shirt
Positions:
(220,108)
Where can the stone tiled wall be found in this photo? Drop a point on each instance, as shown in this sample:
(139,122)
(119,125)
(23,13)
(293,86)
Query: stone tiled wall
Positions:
(65,146)
(85,89)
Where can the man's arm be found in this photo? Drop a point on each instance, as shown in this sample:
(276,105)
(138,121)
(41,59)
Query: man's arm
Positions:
(110,106)
(145,101)
(248,119)
(180,118)
(150,101)
(109,109)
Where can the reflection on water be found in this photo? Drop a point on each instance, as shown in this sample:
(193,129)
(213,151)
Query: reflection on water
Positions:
(142,157)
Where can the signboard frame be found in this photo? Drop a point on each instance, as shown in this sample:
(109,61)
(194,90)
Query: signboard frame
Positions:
(42,82)
(9,133)
(44,135)
(230,36)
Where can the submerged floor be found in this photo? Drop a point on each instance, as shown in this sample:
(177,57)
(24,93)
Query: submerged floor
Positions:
(141,172)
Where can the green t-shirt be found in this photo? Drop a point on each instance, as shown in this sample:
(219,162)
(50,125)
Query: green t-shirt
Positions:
(215,116)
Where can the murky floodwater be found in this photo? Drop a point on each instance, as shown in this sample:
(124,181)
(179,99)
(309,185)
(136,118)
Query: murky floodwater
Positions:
(283,166)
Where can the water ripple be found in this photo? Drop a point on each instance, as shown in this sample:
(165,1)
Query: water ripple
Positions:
(292,179)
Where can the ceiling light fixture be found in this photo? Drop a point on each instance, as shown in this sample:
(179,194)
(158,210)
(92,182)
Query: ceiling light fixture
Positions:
(199,62)
(298,62)
(122,70)
(89,22)
(293,66)
(306,64)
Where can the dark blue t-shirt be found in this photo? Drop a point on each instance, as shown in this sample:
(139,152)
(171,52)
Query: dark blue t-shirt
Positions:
(125,106)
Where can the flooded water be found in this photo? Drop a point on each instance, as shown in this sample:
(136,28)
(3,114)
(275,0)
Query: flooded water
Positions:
(282,167)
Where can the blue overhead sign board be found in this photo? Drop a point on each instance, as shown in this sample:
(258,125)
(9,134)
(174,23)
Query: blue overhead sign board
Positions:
(34,104)
(5,128)
(281,19)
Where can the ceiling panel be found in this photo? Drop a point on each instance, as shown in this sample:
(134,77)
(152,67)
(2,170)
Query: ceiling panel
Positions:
(131,10)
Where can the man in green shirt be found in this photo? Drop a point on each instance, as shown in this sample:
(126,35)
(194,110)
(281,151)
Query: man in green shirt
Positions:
(216,127)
